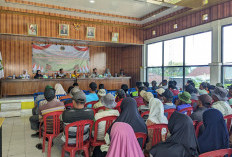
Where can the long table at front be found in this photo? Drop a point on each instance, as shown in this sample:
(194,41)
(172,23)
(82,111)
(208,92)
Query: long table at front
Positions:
(11,87)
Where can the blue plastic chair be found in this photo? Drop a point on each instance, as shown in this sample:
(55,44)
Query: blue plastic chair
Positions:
(39,102)
(112,92)
(63,100)
(131,90)
(174,99)
(36,94)
(86,92)
(59,95)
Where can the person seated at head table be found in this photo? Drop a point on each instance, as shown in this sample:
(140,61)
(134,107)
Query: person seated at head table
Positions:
(38,75)
(92,96)
(61,73)
(109,103)
(24,75)
(121,73)
(77,113)
(182,142)
(101,93)
(75,74)
(184,101)
(107,73)
(94,73)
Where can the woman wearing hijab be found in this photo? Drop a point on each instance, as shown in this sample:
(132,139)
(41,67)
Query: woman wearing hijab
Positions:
(156,115)
(59,89)
(38,75)
(182,142)
(123,142)
(130,115)
(215,135)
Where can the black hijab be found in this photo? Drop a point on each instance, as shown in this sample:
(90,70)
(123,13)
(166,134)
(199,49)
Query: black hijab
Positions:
(182,142)
(130,115)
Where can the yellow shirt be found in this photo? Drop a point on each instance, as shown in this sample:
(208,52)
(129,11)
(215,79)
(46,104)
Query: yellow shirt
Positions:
(75,75)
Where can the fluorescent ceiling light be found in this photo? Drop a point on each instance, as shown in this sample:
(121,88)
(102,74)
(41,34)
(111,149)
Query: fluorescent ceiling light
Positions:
(92,1)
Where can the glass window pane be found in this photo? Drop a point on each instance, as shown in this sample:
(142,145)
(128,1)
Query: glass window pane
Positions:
(227,75)
(197,74)
(227,46)
(154,54)
(198,49)
(173,52)
(174,73)
(154,74)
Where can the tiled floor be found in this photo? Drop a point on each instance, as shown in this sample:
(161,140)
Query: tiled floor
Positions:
(17,141)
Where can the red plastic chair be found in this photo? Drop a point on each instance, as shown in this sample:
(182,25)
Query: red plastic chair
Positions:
(189,110)
(228,119)
(141,135)
(92,102)
(199,124)
(169,112)
(118,108)
(157,129)
(195,122)
(100,108)
(145,113)
(109,120)
(80,145)
(69,106)
(217,153)
(55,126)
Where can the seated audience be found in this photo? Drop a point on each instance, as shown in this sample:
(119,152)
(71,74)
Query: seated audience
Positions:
(173,89)
(146,84)
(182,142)
(183,101)
(219,85)
(34,119)
(203,88)
(219,96)
(123,142)
(204,102)
(92,96)
(194,95)
(167,97)
(75,74)
(59,89)
(125,88)
(164,84)
(61,73)
(101,86)
(154,85)
(160,91)
(24,75)
(69,95)
(215,135)
(130,115)
(136,93)
(156,115)
(77,113)
(38,75)
(120,96)
(101,93)
(146,96)
(190,82)
(109,102)
(94,73)
(139,99)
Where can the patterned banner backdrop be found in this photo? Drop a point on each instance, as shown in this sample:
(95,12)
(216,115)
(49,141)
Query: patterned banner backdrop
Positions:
(50,58)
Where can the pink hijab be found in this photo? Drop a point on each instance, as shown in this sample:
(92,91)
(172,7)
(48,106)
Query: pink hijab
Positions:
(123,142)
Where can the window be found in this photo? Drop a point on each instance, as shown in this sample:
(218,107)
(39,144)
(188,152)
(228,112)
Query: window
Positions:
(227,73)
(198,49)
(181,59)
(173,52)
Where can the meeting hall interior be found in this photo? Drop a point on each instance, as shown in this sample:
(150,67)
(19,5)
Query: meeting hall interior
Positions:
(115,78)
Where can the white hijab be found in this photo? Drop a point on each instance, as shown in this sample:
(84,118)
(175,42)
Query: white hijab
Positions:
(59,89)
(156,114)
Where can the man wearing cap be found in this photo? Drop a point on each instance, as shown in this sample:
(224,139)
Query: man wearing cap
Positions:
(167,98)
(109,102)
(77,113)
(184,101)
(101,93)
(203,103)
(219,96)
